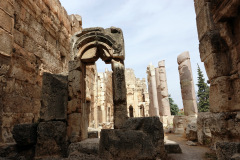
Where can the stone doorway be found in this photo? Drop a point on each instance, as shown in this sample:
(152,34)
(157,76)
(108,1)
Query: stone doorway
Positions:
(87,47)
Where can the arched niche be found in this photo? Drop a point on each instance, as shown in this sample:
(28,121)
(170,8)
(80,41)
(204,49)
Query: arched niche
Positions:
(131,111)
(87,47)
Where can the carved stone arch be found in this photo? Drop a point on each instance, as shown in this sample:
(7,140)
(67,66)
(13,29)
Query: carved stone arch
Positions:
(108,43)
(87,47)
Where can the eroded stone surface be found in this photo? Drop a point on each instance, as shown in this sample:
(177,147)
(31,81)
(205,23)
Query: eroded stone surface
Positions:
(139,138)
(54,97)
(25,134)
(187,84)
(51,140)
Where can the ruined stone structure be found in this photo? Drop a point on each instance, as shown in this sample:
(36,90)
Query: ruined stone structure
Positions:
(152,89)
(137,95)
(187,84)
(218,34)
(34,39)
(158,94)
(162,89)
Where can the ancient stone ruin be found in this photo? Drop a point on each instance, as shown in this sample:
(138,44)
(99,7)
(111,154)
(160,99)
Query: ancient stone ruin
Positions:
(217,23)
(55,105)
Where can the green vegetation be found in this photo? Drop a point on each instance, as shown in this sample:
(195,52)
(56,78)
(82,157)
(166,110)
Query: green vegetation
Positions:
(203,93)
(173,107)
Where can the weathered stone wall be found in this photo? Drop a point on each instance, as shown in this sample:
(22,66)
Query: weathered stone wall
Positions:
(137,95)
(219,35)
(34,38)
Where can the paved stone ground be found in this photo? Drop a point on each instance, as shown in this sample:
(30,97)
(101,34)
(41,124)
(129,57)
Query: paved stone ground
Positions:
(189,152)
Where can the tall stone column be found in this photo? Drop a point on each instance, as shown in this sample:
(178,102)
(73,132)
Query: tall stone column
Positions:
(162,89)
(187,85)
(119,94)
(154,109)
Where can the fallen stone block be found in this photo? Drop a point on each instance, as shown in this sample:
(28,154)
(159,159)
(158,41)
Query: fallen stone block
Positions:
(87,146)
(172,147)
(139,138)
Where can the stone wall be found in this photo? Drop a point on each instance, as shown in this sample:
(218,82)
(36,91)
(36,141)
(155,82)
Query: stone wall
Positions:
(219,35)
(34,38)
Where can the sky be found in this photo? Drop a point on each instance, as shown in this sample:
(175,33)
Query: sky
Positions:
(153,30)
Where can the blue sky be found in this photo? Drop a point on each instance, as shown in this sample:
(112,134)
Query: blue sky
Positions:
(153,30)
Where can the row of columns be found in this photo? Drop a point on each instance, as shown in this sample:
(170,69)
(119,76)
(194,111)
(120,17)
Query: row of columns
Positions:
(158,89)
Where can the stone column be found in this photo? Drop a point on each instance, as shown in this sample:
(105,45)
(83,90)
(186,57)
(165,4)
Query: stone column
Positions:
(187,85)
(154,109)
(162,89)
(119,94)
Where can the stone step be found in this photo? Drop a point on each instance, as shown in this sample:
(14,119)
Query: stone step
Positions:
(172,147)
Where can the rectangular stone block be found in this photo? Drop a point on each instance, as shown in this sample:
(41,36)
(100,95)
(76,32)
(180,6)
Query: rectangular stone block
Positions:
(204,21)
(54,97)
(209,44)
(213,65)
(51,140)
(6,21)
(220,94)
(74,127)
(7,6)
(125,144)
(6,42)
(199,4)
(18,37)
(25,134)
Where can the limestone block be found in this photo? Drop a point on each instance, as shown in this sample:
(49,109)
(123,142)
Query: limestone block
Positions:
(54,97)
(74,106)
(6,21)
(51,140)
(204,21)
(18,37)
(198,4)
(119,86)
(6,41)
(125,144)
(172,147)
(223,126)
(25,134)
(227,150)
(87,146)
(213,65)
(220,95)
(139,138)
(74,127)
(7,6)
(178,124)
(203,130)
(191,132)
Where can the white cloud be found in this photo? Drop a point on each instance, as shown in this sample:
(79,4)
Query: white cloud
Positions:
(153,30)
